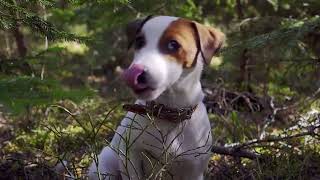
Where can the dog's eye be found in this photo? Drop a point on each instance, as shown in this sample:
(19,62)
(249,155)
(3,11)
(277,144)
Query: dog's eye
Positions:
(173,45)
(139,42)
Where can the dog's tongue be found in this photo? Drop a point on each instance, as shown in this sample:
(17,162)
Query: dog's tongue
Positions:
(131,75)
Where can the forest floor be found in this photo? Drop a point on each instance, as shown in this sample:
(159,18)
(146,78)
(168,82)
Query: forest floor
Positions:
(31,148)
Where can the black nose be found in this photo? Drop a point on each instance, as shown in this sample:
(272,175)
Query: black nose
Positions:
(142,79)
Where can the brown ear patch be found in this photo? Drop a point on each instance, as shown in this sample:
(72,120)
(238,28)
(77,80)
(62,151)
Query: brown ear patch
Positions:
(211,41)
(180,31)
(190,35)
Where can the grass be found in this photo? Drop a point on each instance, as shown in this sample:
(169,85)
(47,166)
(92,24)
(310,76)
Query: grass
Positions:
(76,133)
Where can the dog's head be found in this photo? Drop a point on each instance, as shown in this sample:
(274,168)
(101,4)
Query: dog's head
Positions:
(164,48)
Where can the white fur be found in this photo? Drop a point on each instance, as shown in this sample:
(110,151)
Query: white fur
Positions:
(186,143)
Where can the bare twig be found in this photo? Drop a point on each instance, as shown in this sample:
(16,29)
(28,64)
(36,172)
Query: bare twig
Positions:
(310,132)
(234,152)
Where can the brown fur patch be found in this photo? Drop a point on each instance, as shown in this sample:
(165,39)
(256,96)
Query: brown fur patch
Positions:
(181,31)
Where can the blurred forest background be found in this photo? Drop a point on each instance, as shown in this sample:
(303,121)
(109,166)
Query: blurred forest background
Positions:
(61,96)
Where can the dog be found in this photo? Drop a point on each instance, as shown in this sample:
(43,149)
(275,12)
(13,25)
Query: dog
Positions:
(167,133)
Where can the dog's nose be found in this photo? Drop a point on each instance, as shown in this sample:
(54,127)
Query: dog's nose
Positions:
(135,77)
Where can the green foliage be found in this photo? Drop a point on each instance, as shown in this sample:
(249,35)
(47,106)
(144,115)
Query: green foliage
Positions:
(12,14)
(290,166)
(293,30)
(76,48)
(69,131)
(22,92)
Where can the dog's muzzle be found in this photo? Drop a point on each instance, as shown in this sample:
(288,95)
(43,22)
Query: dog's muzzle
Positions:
(135,77)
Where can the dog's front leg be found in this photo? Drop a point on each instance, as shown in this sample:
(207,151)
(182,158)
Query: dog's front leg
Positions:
(131,166)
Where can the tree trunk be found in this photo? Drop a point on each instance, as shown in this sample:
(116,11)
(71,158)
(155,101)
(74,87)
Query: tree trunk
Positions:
(245,74)
(19,37)
(239,9)
(22,49)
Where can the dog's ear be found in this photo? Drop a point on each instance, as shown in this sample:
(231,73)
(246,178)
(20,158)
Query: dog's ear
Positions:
(209,39)
(133,28)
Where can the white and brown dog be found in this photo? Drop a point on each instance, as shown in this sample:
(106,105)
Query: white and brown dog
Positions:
(169,54)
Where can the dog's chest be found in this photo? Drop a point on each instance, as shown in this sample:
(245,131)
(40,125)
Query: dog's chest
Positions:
(156,135)
(178,147)
(174,140)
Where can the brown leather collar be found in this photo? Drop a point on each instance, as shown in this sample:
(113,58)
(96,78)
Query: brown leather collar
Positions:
(162,112)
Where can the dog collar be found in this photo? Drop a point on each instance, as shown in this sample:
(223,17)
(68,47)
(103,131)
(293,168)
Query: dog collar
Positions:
(161,111)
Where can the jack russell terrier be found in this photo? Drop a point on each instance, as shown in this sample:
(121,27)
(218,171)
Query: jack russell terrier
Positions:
(166,134)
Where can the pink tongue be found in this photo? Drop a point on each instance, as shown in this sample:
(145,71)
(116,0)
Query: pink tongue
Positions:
(131,75)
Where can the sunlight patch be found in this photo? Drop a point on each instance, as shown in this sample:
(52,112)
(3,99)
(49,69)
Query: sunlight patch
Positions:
(74,47)
(216,62)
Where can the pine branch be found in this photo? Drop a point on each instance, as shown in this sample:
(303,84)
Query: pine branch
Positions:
(34,22)
(295,32)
